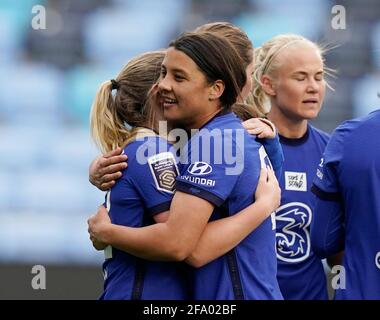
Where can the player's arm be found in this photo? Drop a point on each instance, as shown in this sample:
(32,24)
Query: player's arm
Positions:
(327,226)
(173,240)
(106,169)
(335,260)
(276,156)
(222,235)
(268,136)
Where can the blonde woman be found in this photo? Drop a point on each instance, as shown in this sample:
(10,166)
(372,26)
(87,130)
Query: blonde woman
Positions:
(289,79)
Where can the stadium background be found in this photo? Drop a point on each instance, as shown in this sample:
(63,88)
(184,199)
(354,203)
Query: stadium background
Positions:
(48,79)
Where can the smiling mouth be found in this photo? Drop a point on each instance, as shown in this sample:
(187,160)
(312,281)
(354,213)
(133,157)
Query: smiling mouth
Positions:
(167,102)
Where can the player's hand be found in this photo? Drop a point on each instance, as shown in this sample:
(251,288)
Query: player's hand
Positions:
(268,190)
(105,169)
(97,244)
(97,226)
(263,128)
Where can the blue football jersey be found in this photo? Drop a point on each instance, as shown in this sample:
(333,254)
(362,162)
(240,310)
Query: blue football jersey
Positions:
(145,189)
(300,272)
(348,207)
(222,165)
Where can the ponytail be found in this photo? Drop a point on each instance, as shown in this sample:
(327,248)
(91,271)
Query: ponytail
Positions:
(116,118)
(245,111)
(258,98)
(106,129)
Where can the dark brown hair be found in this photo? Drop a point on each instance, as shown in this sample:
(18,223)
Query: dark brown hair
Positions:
(244,47)
(217,59)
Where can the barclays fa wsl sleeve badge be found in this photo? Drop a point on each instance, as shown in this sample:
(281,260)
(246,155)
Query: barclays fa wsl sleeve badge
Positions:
(164,171)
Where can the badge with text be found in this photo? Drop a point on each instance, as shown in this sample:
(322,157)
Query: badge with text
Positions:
(164,171)
(295,181)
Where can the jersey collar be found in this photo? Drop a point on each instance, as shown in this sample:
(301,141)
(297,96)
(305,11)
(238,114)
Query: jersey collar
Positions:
(295,141)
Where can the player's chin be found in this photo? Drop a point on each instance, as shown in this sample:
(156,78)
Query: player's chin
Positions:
(171,114)
(311,113)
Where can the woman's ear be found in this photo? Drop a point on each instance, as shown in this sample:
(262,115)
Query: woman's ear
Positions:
(216,90)
(268,85)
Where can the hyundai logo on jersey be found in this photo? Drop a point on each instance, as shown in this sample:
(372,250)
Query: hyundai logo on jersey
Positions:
(199,168)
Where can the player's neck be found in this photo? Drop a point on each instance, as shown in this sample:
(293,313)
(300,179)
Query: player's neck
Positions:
(200,121)
(288,127)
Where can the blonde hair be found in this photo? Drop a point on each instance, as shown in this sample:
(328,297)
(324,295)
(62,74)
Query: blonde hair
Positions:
(115,117)
(266,63)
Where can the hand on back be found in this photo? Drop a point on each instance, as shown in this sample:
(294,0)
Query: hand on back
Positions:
(106,169)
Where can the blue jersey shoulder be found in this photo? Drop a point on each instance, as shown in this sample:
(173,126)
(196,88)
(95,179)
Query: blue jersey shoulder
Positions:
(145,147)
(348,126)
(324,136)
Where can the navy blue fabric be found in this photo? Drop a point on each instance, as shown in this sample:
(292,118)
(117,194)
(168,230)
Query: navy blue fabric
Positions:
(133,200)
(300,272)
(249,270)
(350,173)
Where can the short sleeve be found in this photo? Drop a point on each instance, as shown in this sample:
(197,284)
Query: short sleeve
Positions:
(154,178)
(326,184)
(211,166)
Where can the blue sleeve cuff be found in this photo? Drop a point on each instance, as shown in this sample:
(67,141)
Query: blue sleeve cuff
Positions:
(162,207)
(327,196)
(198,192)
(275,154)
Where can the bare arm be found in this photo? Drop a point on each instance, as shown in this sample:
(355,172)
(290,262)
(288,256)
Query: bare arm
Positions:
(105,169)
(173,240)
(222,235)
